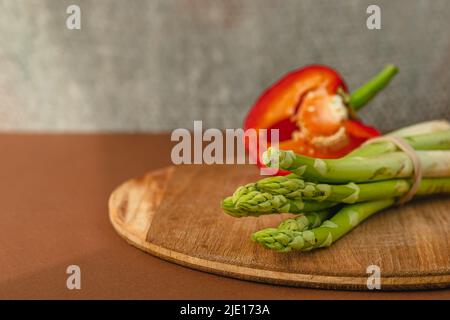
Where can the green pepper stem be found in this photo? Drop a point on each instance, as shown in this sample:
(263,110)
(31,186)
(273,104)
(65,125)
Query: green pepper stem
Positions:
(366,92)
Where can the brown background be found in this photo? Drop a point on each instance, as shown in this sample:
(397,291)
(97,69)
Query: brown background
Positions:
(54,191)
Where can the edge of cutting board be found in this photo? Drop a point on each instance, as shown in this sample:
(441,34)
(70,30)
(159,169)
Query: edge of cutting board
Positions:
(134,230)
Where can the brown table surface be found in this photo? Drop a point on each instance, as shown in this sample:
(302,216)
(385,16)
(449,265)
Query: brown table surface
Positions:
(54,190)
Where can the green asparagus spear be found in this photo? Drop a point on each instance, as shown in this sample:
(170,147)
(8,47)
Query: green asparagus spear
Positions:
(421,128)
(359,169)
(285,240)
(251,202)
(293,187)
(427,141)
(247,200)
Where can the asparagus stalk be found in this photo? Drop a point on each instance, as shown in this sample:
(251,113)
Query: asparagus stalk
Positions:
(359,169)
(285,240)
(426,141)
(291,194)
(422,128)
(293,187)
(418,129)
(247,201)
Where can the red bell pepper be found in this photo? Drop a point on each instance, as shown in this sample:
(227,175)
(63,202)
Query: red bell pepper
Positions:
(315,114)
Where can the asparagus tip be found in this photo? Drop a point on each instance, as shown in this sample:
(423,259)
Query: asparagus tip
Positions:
(276,158)
(228,207)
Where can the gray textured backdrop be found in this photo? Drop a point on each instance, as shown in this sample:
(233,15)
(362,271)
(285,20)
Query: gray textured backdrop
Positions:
(158,64)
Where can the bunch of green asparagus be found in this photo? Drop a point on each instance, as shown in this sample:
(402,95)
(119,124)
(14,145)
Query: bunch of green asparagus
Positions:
(332,196)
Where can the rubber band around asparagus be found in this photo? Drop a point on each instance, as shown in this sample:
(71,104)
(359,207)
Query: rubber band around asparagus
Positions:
(408,150)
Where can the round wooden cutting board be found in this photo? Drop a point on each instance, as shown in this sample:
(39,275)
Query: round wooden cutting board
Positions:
(175,214)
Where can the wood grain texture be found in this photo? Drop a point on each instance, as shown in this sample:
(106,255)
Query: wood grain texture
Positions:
(174,213)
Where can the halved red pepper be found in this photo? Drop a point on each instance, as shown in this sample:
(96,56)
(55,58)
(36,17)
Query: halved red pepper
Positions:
(314,112)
